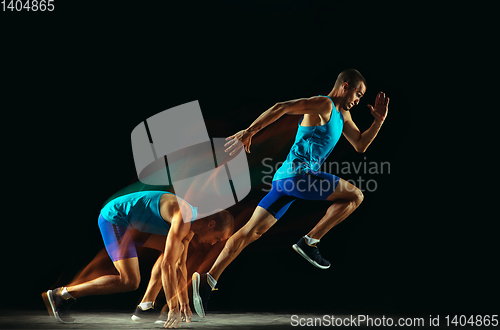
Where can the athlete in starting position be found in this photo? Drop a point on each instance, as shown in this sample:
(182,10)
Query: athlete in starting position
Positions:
(324,119)
(144,219)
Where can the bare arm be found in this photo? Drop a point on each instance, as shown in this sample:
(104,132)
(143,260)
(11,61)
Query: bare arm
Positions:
(174,248)
(182,288)
(313,105)
(361,141)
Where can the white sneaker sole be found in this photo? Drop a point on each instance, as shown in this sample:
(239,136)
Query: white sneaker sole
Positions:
(136,318)
(197,303)
(145,320)
(305,256)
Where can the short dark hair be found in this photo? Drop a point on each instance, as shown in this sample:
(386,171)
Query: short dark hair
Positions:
(223,220)
(351,76)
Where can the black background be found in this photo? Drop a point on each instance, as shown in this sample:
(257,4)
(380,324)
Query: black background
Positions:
(76,81)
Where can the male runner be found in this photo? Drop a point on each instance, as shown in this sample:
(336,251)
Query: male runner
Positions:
(324,119)
(143,219)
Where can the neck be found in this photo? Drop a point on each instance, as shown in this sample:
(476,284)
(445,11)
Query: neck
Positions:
(196,226)
(336,98)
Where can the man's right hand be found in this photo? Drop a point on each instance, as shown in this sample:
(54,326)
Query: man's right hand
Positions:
(173,320)
(244,137)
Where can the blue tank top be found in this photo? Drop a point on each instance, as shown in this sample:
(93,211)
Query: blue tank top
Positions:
(313,144)
(141,211)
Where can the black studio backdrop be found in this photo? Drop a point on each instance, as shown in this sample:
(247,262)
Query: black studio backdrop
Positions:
(80,79)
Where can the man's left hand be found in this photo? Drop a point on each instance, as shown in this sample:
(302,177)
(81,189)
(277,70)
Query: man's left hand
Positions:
(186,313)
(379,111)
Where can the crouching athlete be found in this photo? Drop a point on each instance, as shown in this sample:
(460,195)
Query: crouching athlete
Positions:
(144,219)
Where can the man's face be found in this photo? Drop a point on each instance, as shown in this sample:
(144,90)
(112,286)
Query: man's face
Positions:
(352,96)
(212,237)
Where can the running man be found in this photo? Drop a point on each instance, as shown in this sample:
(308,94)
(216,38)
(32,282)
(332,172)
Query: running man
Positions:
(144,219)
(324,119)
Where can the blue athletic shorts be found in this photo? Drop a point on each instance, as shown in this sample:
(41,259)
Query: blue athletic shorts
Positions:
(284,192)
(120,242)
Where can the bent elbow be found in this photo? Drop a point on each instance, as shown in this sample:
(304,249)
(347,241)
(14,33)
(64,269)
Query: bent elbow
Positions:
(278,107)
(361,149)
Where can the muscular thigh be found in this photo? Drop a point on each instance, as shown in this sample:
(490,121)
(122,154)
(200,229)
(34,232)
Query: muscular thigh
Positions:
(128,268)
(344,190)
(312,187)
(318,186)
(274,204)
(117,240)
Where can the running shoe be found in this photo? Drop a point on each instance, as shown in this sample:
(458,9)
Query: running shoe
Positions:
(145,315)
(57,306)
(163,315)
(201,293)
(311,253)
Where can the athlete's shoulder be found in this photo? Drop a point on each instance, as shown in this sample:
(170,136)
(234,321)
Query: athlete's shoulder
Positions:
(312,105)
(327,100)
(319,100)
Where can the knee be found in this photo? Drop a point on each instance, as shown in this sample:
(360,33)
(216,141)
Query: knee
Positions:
(252,235)
(130,283)
(357,197)
(243,237)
